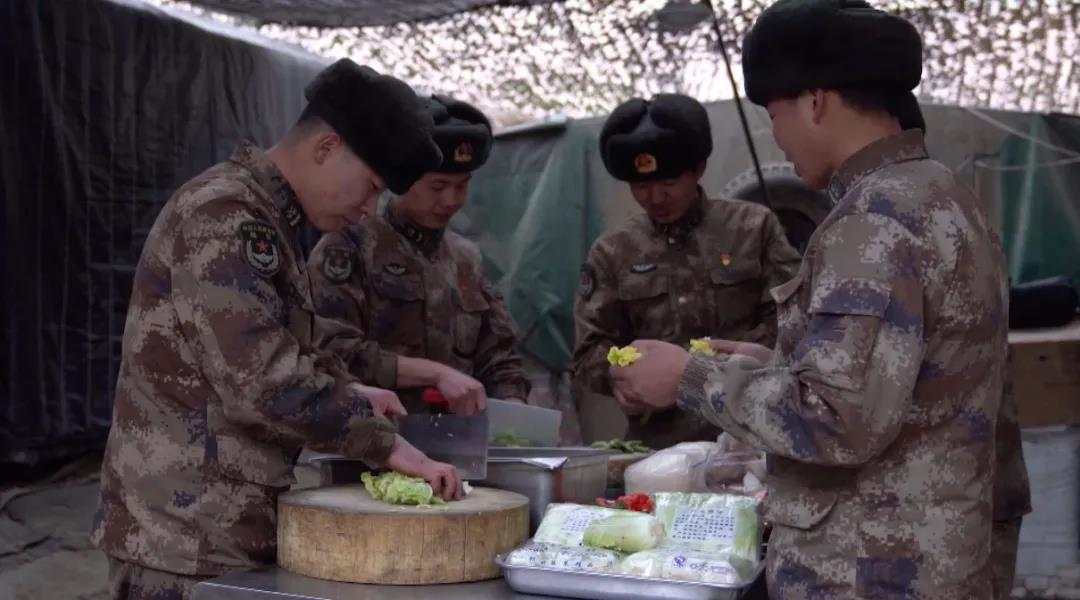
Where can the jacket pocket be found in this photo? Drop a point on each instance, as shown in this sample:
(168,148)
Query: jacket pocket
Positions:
(648,304)
(468,319)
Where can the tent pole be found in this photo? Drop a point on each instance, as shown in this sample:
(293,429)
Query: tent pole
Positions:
(738,104)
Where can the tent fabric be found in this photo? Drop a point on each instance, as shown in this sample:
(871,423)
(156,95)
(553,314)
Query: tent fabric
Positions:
(350,13)
(543,198)
(585,57)
(1041,199)
(106,108)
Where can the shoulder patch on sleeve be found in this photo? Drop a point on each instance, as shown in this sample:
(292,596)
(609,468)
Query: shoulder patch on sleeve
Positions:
(337,264)
(587,283)
(261,247)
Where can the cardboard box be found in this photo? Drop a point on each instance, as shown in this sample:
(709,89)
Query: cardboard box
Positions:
(1046,375)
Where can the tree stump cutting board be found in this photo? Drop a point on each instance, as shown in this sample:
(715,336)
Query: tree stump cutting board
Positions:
(341,533)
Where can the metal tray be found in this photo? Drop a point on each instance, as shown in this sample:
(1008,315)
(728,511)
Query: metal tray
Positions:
(546,475)
(607,586)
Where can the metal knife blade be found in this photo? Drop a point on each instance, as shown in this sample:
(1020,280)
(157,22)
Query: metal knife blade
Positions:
(452,439)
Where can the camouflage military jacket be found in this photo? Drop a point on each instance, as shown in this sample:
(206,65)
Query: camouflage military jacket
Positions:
(398,299)
(879,407)
(709,275)
(220,384)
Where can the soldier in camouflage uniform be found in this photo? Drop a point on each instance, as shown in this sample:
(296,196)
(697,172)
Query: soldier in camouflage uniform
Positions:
(220,385)
(880,405)
(690,267)
(420,309)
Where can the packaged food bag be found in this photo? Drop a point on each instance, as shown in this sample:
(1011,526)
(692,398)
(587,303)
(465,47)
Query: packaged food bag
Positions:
(684,565)
(567,558)
(680,468)
(628,531)
(734,467)
(713,523)
(565,524)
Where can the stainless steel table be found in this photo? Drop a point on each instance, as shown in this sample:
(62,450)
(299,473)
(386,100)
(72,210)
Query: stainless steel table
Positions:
(279,584)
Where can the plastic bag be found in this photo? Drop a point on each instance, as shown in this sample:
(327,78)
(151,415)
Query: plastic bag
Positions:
(565,524)
(684,565)
(734,467)
(568,558)
(680,468)
(713,523)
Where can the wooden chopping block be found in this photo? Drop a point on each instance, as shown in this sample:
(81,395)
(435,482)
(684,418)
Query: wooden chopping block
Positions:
(341,533)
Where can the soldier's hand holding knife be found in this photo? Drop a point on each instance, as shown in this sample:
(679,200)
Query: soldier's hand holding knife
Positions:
(384,403)
(465,395)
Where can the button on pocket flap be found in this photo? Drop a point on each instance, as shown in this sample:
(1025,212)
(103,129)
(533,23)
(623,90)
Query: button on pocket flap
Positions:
(399,287)
(850,296)
(735,272)
(640,287)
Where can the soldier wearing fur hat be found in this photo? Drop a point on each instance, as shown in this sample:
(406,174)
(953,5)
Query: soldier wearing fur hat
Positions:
(413,306)
(891,450)
(220,385)
(689,267)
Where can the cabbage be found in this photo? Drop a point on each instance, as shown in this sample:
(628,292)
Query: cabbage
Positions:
(565,524)
(702,346)
(394,488)
(627,531)
(713,523)
(622,357)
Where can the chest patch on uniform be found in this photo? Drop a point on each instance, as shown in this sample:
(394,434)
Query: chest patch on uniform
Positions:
(643,267)
(587,283)
(725,258)
(395,269)
(337,264)
(261,247)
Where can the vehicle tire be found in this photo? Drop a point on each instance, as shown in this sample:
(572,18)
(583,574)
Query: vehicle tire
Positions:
(799,207)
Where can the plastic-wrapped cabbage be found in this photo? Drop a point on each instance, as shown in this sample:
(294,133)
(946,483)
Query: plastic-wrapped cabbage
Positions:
(394,488)
(714,523)
(627,531)
(622,357)
(565,524)
(702,346)
(567,558)
(683,565)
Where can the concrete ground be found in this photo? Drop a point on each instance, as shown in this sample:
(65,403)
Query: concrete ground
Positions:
(45,552)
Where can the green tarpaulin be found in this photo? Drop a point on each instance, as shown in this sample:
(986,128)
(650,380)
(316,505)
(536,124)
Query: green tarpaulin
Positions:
(1040,200)
(544,197)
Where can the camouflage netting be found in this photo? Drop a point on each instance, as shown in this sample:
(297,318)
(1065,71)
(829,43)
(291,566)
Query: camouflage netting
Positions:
(581,57)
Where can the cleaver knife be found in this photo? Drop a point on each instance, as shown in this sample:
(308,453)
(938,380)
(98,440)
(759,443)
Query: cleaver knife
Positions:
(453,439)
